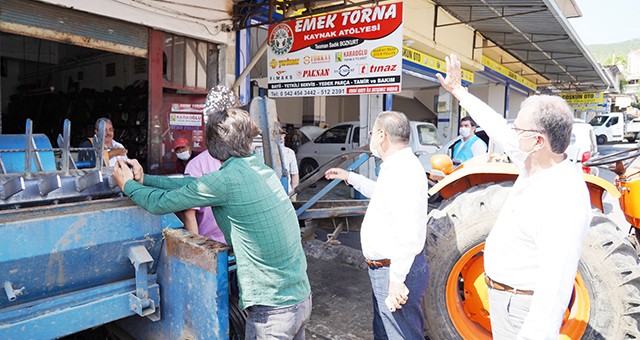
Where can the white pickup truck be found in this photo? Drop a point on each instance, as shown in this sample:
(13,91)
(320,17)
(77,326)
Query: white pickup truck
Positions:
(615,127)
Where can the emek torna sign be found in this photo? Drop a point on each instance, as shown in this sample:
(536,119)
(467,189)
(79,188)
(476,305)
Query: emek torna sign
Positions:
(344,53)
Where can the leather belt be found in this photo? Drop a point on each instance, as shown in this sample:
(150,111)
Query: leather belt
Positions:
(375,264)
(505,288)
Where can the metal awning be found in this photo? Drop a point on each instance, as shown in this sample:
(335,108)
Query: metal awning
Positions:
(537,34)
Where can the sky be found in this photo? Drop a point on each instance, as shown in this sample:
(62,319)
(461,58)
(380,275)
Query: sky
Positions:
(607,21)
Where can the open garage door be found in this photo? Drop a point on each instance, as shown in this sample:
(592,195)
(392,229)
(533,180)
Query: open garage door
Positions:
(64,25)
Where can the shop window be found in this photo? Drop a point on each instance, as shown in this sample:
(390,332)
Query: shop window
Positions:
(186,63)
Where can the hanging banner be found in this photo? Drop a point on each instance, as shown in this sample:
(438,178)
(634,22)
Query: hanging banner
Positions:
(343,53)
(186,116)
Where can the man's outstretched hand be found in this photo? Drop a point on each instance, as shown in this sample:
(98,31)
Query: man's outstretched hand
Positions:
(453,81)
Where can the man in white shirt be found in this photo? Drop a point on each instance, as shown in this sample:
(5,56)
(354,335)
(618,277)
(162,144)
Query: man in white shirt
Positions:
(112,149)
(532,253)
(290,163)
(393,231)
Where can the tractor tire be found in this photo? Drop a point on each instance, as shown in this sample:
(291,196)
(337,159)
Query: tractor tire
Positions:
(606,293)
(601,139)
(307,166)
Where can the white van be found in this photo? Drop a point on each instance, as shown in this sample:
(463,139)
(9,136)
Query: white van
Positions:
(345,137)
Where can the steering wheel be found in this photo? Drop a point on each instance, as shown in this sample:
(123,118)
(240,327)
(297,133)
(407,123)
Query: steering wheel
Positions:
(614,157)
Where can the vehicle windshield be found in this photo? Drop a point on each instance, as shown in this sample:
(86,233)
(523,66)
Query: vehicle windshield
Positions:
(598,120)
(428,135)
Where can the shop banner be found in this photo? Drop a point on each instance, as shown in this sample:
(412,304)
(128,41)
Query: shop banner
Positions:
(343,53)
(186,116)
(585,101)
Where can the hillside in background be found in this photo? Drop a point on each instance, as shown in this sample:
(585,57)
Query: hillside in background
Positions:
(604,53)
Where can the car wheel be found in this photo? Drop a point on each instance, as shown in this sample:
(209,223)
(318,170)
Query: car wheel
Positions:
(601,139)
(307,166)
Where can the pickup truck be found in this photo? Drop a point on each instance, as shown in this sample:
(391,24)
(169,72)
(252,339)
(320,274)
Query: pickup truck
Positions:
(345,137)
(615,127)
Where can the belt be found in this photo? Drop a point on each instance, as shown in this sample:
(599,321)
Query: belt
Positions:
(375,264)
(505,288)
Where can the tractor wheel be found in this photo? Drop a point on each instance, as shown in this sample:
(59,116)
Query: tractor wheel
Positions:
(307,166)
(606,290)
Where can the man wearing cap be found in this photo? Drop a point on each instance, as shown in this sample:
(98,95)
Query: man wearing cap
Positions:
(182,149)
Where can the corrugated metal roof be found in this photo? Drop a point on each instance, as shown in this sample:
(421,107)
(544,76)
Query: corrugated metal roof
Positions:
(537,34)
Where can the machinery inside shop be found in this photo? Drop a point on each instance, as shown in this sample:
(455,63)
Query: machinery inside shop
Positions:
(49,82)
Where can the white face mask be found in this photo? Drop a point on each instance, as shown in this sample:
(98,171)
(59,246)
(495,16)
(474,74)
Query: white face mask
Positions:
(519,157)
(374,151)
(184,155)
(465,132)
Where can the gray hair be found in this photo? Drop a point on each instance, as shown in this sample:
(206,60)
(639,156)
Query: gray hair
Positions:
(230,133)
(553,116)
(396,124)
(105,120)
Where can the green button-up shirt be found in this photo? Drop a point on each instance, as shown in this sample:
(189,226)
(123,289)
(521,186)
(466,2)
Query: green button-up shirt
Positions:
(256,217)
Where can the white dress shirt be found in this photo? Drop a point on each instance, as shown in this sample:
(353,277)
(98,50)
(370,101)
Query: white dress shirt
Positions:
(395,224)
(536,241)
(115,145)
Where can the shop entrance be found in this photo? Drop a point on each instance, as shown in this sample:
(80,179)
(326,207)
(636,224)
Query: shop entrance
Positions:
(49,81)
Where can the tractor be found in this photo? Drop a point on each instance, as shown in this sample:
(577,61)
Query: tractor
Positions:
(465,204)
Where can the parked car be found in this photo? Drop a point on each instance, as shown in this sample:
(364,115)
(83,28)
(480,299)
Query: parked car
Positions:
(345,137)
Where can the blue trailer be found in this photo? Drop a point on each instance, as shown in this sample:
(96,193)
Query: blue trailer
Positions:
(76,254)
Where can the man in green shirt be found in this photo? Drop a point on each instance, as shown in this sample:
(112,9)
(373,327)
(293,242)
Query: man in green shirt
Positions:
(255,215)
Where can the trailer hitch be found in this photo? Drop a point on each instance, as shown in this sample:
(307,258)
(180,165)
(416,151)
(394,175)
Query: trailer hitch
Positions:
(140,302)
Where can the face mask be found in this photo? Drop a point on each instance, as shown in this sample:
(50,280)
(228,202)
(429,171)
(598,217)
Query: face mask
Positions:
(184,155)
(465,132)
(374,152)
(519,157)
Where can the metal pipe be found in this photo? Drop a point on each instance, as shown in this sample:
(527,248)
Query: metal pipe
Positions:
(251,64)
(8,289)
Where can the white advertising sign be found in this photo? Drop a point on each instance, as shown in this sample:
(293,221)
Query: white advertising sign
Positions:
(345,53)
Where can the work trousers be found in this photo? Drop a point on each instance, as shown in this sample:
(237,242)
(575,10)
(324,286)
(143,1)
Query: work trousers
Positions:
(508,312)
(283,323)
(405,323)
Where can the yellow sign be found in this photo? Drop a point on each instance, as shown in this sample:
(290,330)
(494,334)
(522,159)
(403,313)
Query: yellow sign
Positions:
(384,52)
(584,98)
(430,62)
(495,66)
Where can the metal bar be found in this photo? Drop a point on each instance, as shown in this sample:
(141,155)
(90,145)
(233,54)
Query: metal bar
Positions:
(28,149)
(535,42)
(65,145)
(104,304)
(537,60)
(492,18)
(98,145)
(363,158)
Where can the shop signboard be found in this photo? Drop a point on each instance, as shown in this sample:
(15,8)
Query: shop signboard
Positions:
(586,101)
(343,53)
(187,121)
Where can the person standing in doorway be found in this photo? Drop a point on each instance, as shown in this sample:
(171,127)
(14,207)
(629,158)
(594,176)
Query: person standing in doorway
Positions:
(394,229)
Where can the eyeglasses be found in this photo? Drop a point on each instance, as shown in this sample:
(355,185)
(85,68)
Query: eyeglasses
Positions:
(519,130)
(372,131)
